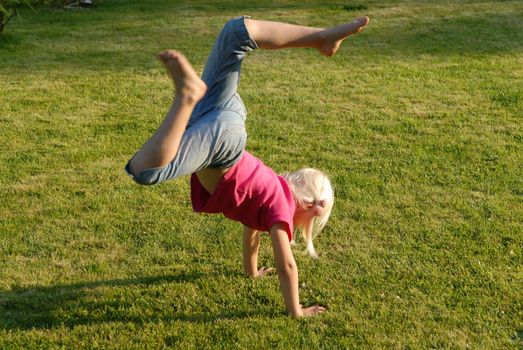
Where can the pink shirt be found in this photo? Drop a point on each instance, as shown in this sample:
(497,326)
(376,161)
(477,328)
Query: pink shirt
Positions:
(251,193)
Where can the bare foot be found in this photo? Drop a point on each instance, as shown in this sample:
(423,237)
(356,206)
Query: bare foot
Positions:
(335,35)
(188,84)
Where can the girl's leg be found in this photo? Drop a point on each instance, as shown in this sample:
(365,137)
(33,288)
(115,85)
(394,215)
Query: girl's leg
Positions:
(197,135)
(222,70)
(162,147)
(275,35)
(198,148)
(241,35)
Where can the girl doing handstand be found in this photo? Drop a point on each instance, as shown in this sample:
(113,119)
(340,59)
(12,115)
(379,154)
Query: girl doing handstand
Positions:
(203,134)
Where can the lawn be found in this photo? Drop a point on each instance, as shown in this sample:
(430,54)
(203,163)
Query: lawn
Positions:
(418,121)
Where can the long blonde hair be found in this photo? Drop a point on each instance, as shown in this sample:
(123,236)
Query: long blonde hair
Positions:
(312,190)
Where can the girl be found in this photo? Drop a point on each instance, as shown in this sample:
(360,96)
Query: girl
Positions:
(203,134)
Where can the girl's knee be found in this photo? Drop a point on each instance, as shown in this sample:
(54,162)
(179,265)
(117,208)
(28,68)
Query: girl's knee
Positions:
(145,177)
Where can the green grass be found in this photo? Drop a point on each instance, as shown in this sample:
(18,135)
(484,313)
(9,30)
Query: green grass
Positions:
(418,120)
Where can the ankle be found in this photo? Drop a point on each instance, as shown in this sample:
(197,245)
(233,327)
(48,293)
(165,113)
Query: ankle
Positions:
(187,98)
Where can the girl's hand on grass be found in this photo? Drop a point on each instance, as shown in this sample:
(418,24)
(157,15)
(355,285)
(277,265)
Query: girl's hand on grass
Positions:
(265,271)
(312,310)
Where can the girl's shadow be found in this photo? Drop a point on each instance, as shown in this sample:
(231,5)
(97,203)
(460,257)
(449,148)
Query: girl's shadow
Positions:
(84,303)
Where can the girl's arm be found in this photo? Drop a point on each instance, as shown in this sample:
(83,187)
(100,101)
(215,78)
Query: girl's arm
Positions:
(288,274)
(251,244)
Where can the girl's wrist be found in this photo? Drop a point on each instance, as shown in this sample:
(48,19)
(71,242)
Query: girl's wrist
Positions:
(297,312)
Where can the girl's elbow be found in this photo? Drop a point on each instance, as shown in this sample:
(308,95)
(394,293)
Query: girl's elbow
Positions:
(288,268)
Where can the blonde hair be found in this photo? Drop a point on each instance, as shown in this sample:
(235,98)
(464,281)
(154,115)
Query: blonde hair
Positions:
(312,190)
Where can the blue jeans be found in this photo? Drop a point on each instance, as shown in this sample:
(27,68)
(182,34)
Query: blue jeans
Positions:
(215,135)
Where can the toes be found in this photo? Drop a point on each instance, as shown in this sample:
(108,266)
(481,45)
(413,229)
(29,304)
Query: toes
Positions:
(363,22)
(169,55)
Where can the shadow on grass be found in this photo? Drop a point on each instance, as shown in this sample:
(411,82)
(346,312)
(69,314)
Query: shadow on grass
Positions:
(85,303)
